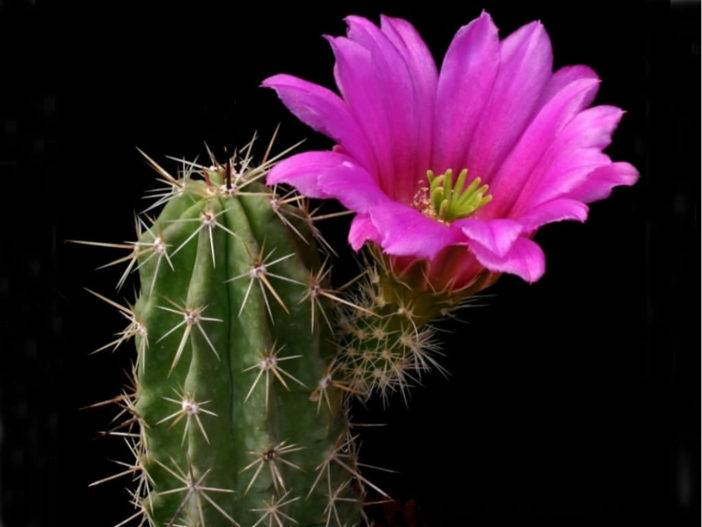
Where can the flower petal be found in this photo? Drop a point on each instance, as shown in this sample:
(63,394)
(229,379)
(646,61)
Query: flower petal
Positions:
(571,157)
(324,111)
(525,259)
(525,68)
(353,186)
(329,175)
(599,183)
(422,68)
(496,236)
(415,52)
(513,185)
(360,86)
(551,211)
(465,82)
(361,231)
(302,171)
(565,76)
(406,232)
(408,110)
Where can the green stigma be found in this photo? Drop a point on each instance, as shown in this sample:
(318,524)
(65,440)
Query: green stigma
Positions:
(451,201)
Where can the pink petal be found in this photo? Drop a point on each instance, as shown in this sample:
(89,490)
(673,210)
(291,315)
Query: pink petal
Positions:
(302,171)
(465,82)
(406,232)
(353,186)
(408,110)
(324,111)
(599,183)
(415,52)
(360,86)
(551,211)
(514,183)
(574,153)
(565,76)
(361,231)
(525,69)
(496,236)
(329,175)
(424,76)
(593,127)
(525,259)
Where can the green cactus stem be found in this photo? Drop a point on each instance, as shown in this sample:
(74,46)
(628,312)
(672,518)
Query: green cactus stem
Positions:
(232,336)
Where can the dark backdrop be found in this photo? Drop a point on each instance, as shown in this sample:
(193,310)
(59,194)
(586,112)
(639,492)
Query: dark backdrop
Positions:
(573,401)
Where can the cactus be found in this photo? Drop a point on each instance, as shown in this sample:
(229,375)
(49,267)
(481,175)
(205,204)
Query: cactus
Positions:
(234,417)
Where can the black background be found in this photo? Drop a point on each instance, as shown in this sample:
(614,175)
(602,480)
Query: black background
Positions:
(573,401)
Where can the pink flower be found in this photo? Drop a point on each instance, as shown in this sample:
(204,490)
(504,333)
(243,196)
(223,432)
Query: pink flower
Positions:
(494,111)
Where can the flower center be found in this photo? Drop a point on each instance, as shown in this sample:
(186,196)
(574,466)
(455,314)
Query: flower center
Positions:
(446,200)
